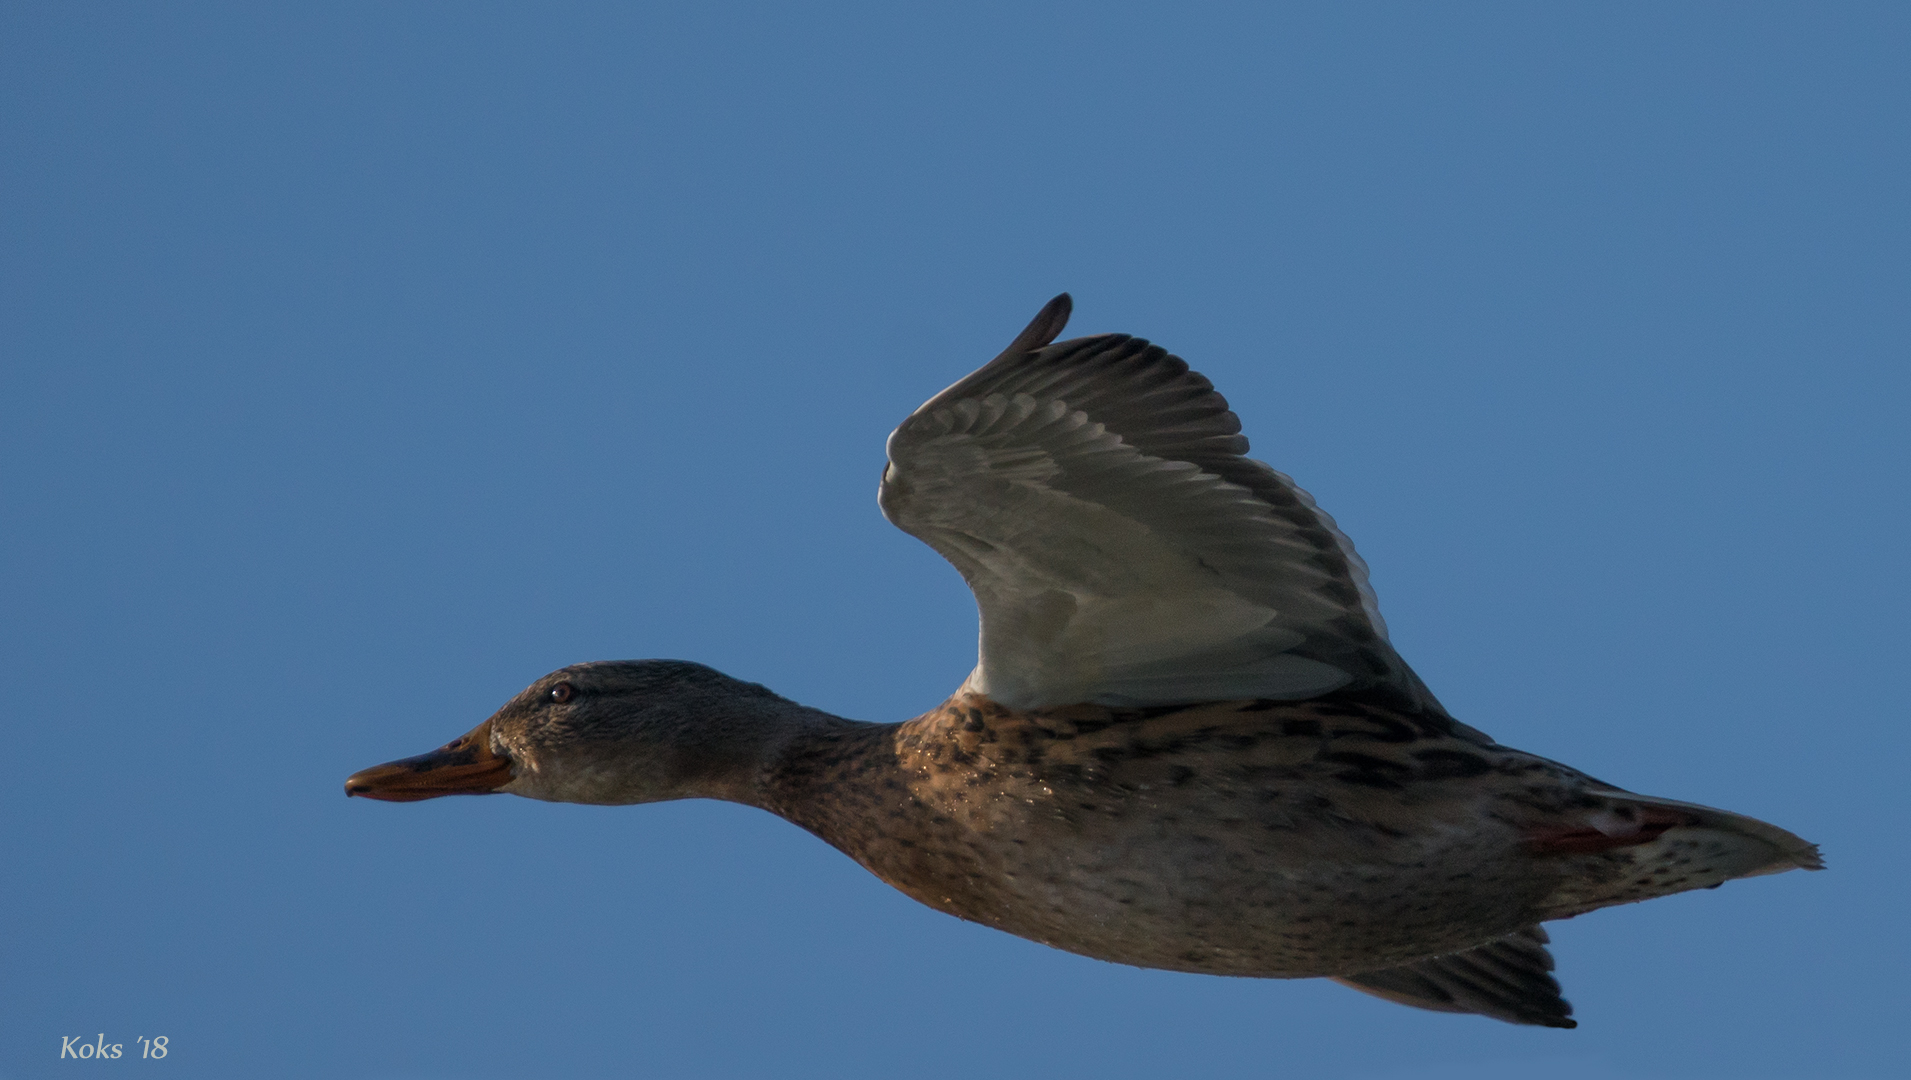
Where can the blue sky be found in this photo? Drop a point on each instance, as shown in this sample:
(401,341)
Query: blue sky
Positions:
(361,363)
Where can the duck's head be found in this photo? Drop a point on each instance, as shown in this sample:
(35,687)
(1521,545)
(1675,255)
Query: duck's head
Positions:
(612,732)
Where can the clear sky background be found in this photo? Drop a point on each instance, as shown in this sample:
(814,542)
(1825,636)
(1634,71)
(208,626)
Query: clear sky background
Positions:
(363,362)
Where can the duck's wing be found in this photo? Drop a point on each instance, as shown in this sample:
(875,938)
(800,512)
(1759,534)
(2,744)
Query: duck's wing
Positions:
(1510,979)
(1122,550)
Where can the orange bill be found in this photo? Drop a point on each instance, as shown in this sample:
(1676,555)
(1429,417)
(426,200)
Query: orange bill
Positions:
(464,766)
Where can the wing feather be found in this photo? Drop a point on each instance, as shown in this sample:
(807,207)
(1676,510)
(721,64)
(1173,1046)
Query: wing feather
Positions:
(1122,549)
(1510,979)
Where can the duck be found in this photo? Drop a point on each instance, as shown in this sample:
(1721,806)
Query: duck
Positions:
(1187,742)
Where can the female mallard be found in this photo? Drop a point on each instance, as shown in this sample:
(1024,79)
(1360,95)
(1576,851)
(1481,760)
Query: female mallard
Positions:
(1187,743)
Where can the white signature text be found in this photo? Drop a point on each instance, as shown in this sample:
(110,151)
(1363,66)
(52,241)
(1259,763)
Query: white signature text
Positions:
(72,1047)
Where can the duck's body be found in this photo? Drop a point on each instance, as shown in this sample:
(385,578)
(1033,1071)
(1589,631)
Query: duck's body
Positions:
(1257,838)
(1188,744)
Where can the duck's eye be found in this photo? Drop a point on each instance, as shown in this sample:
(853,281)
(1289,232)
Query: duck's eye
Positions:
(562,692)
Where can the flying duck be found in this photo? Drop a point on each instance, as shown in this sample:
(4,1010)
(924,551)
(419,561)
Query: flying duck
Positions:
(1186,744)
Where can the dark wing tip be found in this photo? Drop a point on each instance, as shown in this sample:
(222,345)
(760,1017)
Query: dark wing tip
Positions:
(1509,979)
(1044,328)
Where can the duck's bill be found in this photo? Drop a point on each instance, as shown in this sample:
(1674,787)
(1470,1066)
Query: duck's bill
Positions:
(465,766)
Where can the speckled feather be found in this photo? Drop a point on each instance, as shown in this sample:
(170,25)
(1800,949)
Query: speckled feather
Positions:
(1263,838)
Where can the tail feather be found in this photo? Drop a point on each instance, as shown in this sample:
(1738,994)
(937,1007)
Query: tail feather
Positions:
(1639,847)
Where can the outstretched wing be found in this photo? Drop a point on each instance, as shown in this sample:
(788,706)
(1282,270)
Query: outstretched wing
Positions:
(1122,550)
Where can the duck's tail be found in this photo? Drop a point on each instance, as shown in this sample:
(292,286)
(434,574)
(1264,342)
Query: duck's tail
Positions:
(1636,847)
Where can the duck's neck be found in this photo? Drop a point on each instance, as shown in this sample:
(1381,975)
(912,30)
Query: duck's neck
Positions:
(840,780)
(751,750)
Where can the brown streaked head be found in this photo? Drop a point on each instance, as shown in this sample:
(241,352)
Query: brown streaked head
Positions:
(611,732)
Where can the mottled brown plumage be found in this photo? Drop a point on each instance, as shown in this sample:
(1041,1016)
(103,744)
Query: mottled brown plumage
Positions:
(1264,838)
(1187,743)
